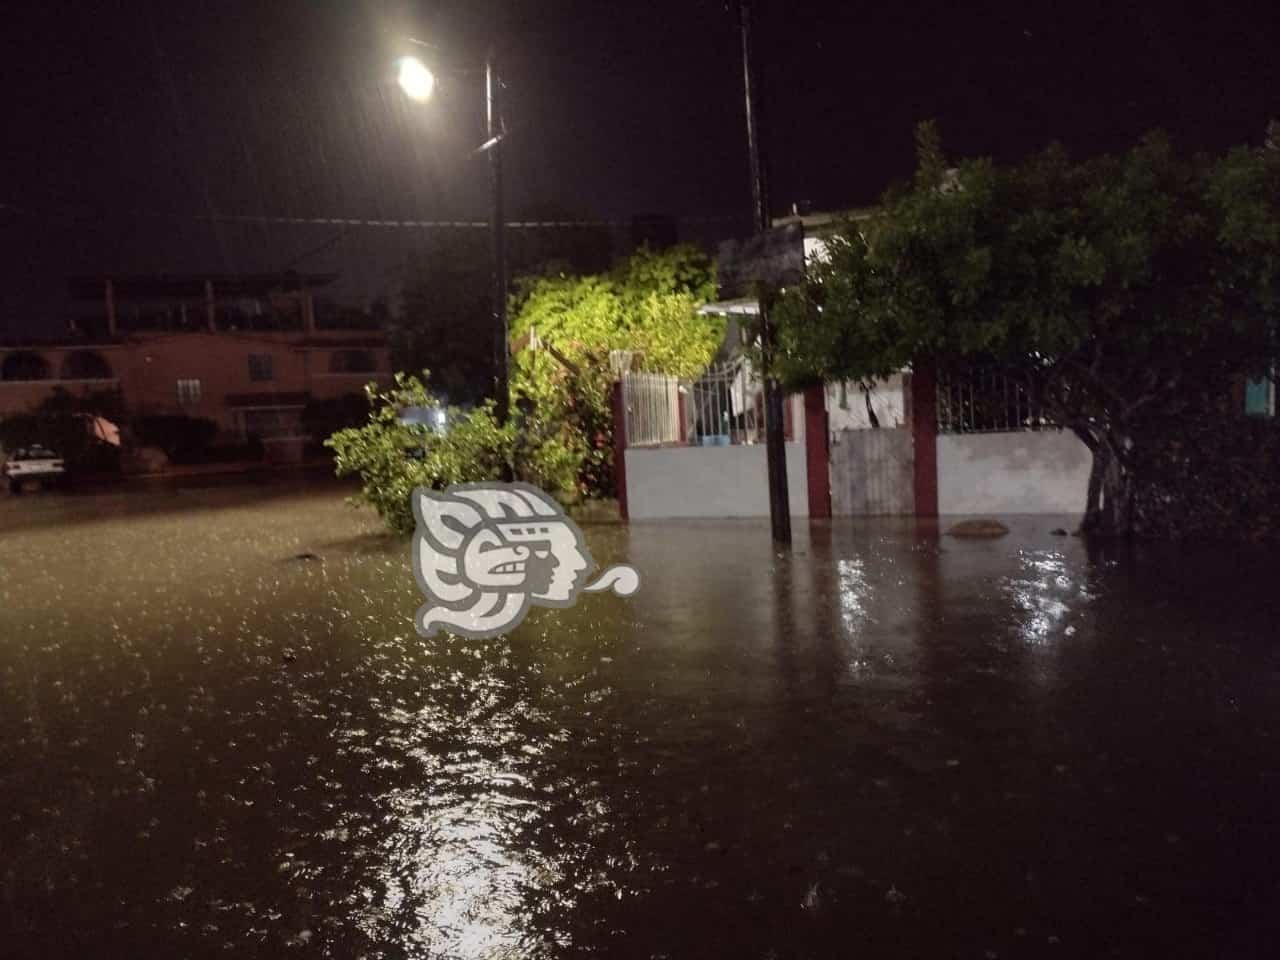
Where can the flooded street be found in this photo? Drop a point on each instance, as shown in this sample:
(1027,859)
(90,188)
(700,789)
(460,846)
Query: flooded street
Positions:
(221,736)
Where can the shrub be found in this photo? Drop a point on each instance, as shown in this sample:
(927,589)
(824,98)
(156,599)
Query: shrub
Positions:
(1208,476)
(392,456)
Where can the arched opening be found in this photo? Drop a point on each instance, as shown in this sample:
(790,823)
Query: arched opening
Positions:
(352,361)
(25,365)
(85,365)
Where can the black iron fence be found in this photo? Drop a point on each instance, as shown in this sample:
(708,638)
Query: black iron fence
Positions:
(989,402)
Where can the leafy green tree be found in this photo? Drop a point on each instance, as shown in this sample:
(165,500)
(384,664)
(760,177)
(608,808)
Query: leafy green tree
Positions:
(648,305)
(1117,288)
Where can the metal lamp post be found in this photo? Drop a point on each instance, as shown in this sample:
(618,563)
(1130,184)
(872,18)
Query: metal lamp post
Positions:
(419,83)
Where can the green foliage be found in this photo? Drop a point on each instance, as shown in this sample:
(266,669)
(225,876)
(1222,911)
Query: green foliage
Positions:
(679,269)
(392,457)
(647,304)
(1207,475)
(560,436)
(1116,285)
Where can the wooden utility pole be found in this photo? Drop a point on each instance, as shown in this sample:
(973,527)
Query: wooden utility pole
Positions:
(775,446)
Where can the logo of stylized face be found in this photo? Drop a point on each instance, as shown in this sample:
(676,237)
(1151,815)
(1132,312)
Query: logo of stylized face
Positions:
(484,553)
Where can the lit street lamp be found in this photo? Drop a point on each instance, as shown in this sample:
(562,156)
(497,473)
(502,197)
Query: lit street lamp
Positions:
(416,80)
(419,83)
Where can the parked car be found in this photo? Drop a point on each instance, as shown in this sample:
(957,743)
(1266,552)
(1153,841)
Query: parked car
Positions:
(31,464)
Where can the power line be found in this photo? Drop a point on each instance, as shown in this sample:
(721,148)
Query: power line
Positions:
(251,218)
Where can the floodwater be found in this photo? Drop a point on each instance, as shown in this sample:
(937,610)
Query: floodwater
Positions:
(881,744)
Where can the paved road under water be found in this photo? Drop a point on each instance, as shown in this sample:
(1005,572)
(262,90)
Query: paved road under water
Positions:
(882,744)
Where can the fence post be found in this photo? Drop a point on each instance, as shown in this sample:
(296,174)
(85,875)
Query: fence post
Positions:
(620,448)
(924,434)
(816,452)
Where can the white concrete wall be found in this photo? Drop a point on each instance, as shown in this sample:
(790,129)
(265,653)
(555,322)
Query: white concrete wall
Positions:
(1028,472)
(887,400)
(796,400)
(666,482)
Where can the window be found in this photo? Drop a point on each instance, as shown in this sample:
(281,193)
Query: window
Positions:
(260,366)
(1260,397)
(188,392)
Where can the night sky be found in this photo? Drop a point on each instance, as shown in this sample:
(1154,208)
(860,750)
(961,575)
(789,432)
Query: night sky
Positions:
(128,121)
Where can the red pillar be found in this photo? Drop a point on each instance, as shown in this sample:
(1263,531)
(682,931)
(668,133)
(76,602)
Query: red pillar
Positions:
(817,456)
(620,448)
(924,433)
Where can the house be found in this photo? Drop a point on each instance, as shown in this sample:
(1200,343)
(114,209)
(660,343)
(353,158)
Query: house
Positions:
(910,445)
(697,448)
(915,444)
(248,352)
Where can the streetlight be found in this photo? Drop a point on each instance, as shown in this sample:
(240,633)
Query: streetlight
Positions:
(419,84)
(416,80)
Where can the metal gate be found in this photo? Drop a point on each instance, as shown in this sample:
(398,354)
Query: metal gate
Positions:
(872,473)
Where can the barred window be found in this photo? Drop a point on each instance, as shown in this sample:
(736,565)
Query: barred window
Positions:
(188,392)
(987,402)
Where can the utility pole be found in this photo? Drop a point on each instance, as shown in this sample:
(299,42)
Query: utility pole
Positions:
(775,446)
(495,135)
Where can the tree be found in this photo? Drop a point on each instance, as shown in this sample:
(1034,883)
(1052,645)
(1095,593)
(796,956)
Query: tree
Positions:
(648,305)
(1116,288)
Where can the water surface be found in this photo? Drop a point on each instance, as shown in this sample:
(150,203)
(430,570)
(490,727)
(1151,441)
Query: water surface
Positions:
(881,743)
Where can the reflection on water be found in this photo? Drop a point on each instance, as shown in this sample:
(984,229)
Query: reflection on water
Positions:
(1041,596)
(223,737)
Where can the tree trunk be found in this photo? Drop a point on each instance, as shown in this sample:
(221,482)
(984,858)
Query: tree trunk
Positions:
(871,414)
(1109,509)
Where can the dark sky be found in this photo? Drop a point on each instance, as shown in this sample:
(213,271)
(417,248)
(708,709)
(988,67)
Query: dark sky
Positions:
(126,121)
